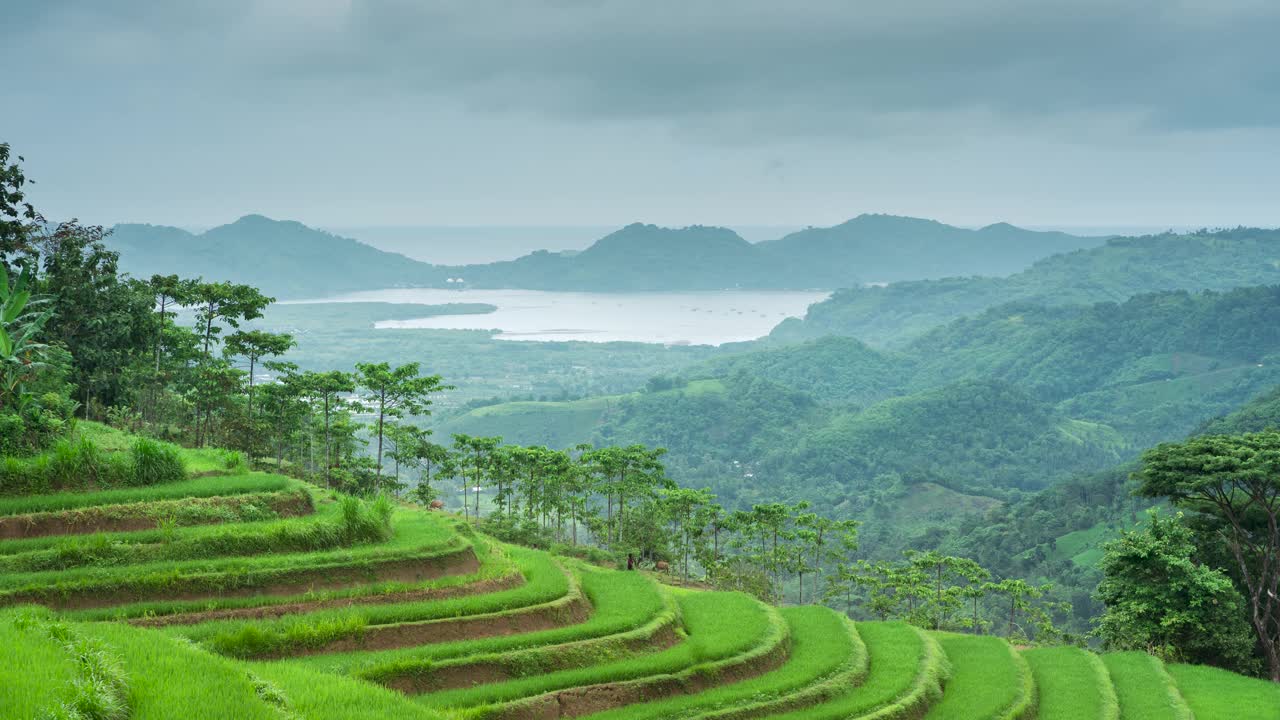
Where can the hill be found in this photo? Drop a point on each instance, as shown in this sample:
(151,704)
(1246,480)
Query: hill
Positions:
(290,260)
(284,259)
(1123,267)
(366,611)
(866,248)
(887,248)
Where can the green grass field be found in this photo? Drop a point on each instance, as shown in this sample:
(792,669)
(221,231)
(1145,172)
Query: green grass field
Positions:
(989,680)
(229,611)
(1072,684)
(1144,688)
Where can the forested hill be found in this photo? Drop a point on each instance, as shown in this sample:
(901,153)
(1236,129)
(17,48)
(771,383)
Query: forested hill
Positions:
(1058,533)
(868,248)
(1123,267)
(284,259)
(887,248)
(637,257)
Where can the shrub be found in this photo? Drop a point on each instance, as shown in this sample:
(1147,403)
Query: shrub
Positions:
(235,460)
(366,521)
(155,463)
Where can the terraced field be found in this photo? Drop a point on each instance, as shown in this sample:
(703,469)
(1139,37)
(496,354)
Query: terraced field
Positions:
(235,594)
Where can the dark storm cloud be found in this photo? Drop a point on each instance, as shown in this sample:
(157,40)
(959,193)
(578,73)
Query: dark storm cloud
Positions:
(742,66)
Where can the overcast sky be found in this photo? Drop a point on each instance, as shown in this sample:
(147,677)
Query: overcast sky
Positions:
(568,112)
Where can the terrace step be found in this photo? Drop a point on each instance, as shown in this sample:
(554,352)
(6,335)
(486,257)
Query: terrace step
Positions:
(907,671)
(753,641)
(98,592)
(1072,684)
(660,633)
(827,657)
(134,516)
(1144,688)
(572,608)
(1215,694)
(989,681)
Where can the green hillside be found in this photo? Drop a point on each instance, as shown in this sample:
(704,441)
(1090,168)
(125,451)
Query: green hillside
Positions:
(475,628)
(894,314)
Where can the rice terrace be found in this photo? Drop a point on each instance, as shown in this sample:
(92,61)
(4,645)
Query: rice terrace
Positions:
(193,587)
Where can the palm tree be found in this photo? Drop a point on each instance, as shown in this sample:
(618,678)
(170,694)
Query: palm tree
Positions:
(21,357)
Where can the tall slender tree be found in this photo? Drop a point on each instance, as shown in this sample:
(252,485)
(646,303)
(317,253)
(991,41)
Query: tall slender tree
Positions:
(393,392)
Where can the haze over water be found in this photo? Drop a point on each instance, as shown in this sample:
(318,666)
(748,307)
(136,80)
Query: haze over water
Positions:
(695,318)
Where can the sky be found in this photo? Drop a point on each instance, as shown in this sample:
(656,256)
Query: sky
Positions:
(1162,113)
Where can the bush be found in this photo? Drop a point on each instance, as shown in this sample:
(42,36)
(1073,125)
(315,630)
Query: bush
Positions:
(80,464)
(235,461)
(155,463)
(366,521)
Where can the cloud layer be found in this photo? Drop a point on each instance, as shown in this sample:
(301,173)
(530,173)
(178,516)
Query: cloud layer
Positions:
(797,94)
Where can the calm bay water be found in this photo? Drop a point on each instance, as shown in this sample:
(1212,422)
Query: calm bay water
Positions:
(697,318)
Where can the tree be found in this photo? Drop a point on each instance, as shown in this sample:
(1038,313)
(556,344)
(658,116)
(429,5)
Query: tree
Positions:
(474,464)
(216,303)
(1233,483)
(22,356)
(16,214)
(1019,594)
(394,392)
(254,345)
(104,319)
(1161,600)
(327,388)
(682,506)
(943,571)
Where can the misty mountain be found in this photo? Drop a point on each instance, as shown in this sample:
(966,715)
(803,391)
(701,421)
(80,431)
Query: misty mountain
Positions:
(283,258)
(291,260)
(868,248)
(888,248)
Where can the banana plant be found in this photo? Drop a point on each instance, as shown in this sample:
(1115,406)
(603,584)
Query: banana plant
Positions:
(21,356)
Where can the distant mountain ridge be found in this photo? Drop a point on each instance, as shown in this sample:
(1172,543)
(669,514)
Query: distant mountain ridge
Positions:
(868,248)
(890,248)
(291,260)
(283,258)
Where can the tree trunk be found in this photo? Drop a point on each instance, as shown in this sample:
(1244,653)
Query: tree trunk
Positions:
(382,410)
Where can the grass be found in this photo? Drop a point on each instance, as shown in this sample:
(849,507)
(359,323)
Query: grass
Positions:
(328,529)
(176,680)
(1144,689)
(904,663)
(1215,694)
(417,535)
(719,626)
(546,582)
(492,566)
(621,602)
(37,683)
(824,647)
(79,463)
(1072,684)
(989,680)
(205,487)
(315,696)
